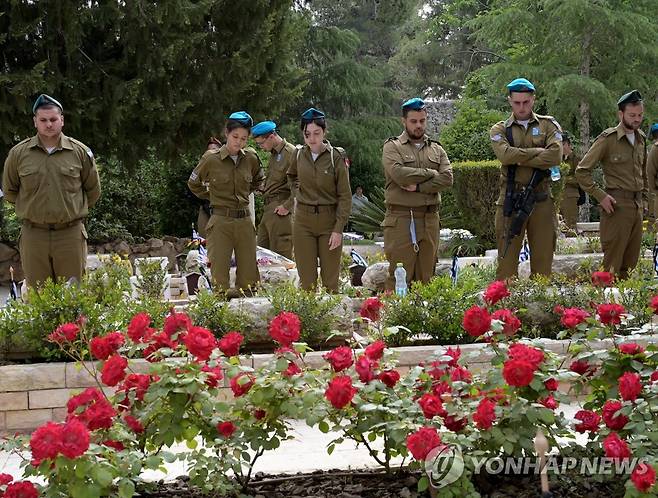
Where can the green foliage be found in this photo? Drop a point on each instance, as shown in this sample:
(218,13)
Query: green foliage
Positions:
(467,138)
(314,310)
(211,311)
(476,189)
(151,279)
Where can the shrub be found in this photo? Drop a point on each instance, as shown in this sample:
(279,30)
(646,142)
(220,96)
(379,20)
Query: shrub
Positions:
(211,311)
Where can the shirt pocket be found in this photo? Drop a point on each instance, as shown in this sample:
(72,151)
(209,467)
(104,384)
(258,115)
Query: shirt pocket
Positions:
(539,140)
(69,175)
(30,177)
(619,158)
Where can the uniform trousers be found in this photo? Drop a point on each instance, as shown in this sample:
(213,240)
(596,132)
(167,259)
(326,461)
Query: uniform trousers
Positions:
(275,231)
(569,206)
(621,235)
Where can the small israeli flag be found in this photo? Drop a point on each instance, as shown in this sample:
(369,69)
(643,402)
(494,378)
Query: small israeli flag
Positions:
(524,255)
(203,253)
(357,259)
(454,270)
(655,258)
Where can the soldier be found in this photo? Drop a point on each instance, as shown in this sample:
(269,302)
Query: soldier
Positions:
(275,229)
(652,174)
(53,181)
(320,178)
(416,169)
(622,154)
(226,177)
(572,195)
(204,207)
(527,145)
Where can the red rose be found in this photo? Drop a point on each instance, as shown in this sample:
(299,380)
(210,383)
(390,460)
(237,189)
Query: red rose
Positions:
(5,479)
(654,304)
(75,439)
(285,328)
(534,356)
(579,366)
(104,347)
(485,414)
(631,348)
(158,341)
(340,358)
(117,445)
(340,391)
(572,317)
(371,308)
(421,442)
(259,414)
(615,447)
(21,489)
(200,342)
(654,376)
(292,369)
(549,402)
(114,370)
(551,385)
(176,322)
(46,441)
(461,374)
(96,412)
(589,421)
(518,373)
(610,313)
(437,370)
(137,382)
(441,388)
(139,326)
(602,278)
(375,351)
(66,332)
(226,429)
(214,375)
(241,384)
(615,421)
(432,406)
(643,477)
(365,368)
(476,321)
(230,343)
(134,424)
(454,354)
(510,322)
(497,394)
(495,292)
(630,386)
(389,377)
(454,424)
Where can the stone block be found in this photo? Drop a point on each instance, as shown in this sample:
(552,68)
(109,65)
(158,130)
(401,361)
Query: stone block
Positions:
(27,419)
(77,377)
(3,424)
(49,398)
(13,401)
(28,377)
(59,414)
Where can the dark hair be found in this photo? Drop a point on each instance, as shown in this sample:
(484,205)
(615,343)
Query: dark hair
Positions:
(232,124)
(47,107)
(622,107)
(406,110)
(321,122)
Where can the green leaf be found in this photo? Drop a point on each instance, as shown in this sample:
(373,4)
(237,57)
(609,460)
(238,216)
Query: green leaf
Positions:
(191,443)
(331,448)
(126,488)
(423,484)
(101,476)
(323,427)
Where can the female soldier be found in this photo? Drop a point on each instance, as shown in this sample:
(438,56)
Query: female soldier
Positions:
(321,183)
(226,177)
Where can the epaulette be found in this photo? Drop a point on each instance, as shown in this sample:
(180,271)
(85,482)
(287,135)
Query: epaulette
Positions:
(251,149)
(82,146)
(435,141)
(390,139)
(607,132)
(552,120)
(341,151)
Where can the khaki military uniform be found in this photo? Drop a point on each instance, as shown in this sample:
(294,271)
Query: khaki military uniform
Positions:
(324,202)
(570,195)
(275,231)
(227,185)
(52,193)
(625,179)
(652,180)
(537,146)
(428,167)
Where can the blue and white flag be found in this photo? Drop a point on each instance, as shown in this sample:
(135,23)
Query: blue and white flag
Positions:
(357,259)
(203,253)
(454,269)
(524,255)
(655,258)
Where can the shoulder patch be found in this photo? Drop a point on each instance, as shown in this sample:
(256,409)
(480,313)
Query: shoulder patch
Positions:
(497,137)
(554,121)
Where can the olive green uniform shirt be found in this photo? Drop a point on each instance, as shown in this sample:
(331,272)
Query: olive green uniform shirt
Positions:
(321,183)
(276,182)
(225,183)
(624,165)
(652,168)
(51,188)
(405,164)
(570,177)
(537,146)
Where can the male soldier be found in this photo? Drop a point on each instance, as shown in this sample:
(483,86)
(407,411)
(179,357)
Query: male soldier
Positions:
(416,169)
(652,174)
(275,229)
(53,181)
(572,193)
(622,154)
(527,145)
(204,208)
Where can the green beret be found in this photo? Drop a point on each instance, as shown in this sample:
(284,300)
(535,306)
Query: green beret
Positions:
(632,97)
(43,100)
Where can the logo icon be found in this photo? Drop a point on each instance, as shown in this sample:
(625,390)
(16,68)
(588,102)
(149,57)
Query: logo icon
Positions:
(444,465)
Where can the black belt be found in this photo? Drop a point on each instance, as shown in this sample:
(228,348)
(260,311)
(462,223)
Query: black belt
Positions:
(396,208)
(312,208)
(52,226)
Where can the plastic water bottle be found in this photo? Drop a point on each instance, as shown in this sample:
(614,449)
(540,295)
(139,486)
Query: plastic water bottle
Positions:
(400,280)
(555,173)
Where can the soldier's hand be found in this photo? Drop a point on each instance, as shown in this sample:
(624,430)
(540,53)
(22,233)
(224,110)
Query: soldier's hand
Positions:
(410,188)
(281,211)
(608,204)
(335,239)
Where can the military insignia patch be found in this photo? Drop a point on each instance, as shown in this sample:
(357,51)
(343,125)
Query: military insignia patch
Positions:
(535,132)
(496,138)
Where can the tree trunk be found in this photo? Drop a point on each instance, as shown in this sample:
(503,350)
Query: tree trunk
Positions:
(585,63)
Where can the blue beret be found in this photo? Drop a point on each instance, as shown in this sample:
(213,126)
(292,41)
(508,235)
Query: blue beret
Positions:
(43,100)
(243,118)
(632,97)
(311,114)
(263,128)
(653,129)
(520,85)
(415,104)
